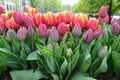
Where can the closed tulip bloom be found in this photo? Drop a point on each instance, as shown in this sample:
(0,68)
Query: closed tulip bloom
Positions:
(103,12)
(28,22)
(93,24)
(98,32)
(77,30)
(102,52)
(1,9)
(37,19)
(9,35)
(0,30)
(62,29)
(54,34)
(115,28)
(88,36)
(22,33)
(42,30)
(69,52)
(18,18)
(30,31)
(114,20)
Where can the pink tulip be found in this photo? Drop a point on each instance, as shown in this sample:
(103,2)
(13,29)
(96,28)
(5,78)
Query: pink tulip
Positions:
(30,31)
(98,33)
(115,28)
(28,22)
(88,36)
(22,33)
(62,29)
(9,35)
(102,52)
(114,20)
(42,30)
(1,9)
(54,34)
(103,12)
(77,30)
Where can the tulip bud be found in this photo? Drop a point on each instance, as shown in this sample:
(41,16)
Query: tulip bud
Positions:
(97,33)
(18,18)
(28,22)
(54,34)
(88,36)
(50,46)
(1,9)
(42,30)
(9,35)
(77,30)
(115,29)
(62,29)
(114,20)
(30,31)
(22,33)
(103,12)
(0,30)
(102,52)
(69,52)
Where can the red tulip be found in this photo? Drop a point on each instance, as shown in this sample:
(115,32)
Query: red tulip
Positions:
(93,23)
(30,31)
(2,22)
(115,28)
(28,22)
(68,16)
(77,30)
(80,19)
(37,19)
(88,36)
(54,34)
(62,29)
(9,35)
(22,33)
(18,18)
(1,9)
(42,30)
(103,12)
(98,33)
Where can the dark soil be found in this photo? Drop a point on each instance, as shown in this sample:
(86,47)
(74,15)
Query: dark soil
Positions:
(5,76)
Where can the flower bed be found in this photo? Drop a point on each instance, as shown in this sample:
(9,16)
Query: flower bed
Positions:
(58,46)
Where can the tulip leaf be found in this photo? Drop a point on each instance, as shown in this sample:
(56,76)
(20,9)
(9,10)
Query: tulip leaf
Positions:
(32,56)
(55,77)
(116,63)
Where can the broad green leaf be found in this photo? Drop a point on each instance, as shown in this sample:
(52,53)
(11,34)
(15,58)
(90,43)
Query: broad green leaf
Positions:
(32,56)
(21,74)
(26,48)
(115,44)
(5,44)
(81,76)
(55,77)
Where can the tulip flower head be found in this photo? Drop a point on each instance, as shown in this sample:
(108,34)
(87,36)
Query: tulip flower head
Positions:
(88,36)
(28,22)
(1,9)
(115,28)
(54,34)
(22,33)
(103,12)
(114,20)
(42,30)
(30,31)
(77,30)
(98,33)
(9,35)
(102,52)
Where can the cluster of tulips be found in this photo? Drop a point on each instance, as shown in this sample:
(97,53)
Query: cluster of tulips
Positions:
(58,46)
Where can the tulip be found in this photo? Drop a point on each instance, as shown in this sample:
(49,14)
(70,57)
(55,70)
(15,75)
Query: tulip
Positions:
(69,52)
(1,9)
(80,19)
(42,30)
(30,31)
(0,30)
(2,21)
(22,33)
(102,52)
(31,11)
(77,30)
(62,29)
(68,16)
(54,34)
(18,18)
(28,22)
(88,36)
(50,46)
(37,19)
(114,20)
(93,24)
(98,33)
(103,12)
(9,35)
(115,28)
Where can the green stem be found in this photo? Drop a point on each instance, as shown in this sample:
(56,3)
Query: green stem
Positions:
(32,44)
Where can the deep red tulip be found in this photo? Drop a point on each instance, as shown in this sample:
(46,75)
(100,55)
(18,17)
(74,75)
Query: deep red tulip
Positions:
(1,9)
(77,30)
(30,31)
(98,32)
(115,28)
(103,12)
(37,19)
(93,23)
(42,30)
(88,36)
(54,34)
(22,33)
(28,22)
(18,18)
(62,29)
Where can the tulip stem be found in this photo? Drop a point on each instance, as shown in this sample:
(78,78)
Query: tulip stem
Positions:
(54,47)
(32,44)
(76,41)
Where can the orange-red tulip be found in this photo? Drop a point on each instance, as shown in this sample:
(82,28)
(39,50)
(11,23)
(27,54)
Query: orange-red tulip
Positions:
(37,19)
(31,11)
(68,16)
(2,22)
(93,23)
